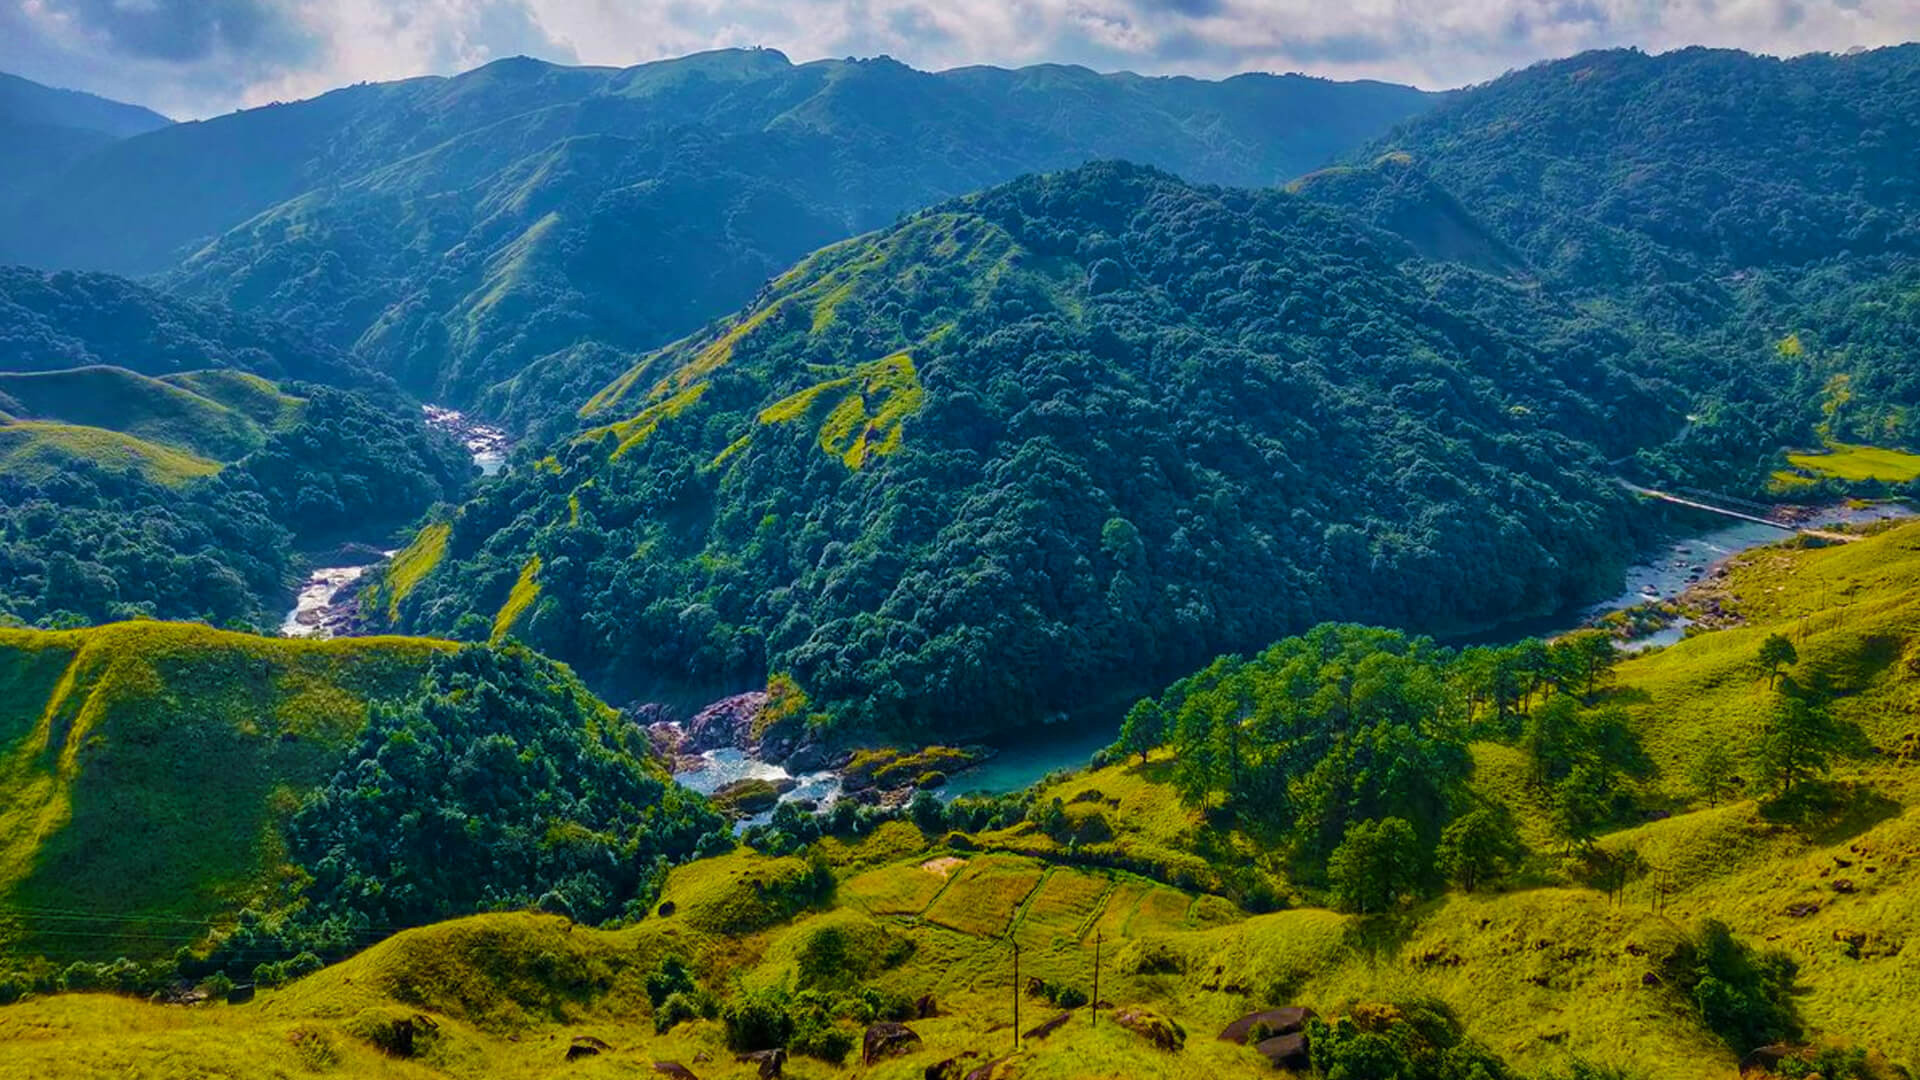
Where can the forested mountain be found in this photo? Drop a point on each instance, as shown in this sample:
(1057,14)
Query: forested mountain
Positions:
(42,130)
(1755,221)
(577,216)
(160,457)
(55,321)
(1039,445)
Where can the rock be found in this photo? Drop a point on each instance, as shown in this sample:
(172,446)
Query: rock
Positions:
(667,907)
(1041,1031)
(806,759)
(1285,1051)
(727,722)
(1151,1026)
(950,1068)
(926,1007)
(1766,1058)
(885,1039)
(240,995)
(768,1062)
(674,1069)
(745,798)
(668,738)
(1281,1021)
(585,1046)
(1802,910)
(987,1071)
(1842,885)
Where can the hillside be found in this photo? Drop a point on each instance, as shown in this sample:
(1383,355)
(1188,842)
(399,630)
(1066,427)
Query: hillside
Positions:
(161,778)
(165,412)
(1033,450)
(43,130)
(576,216)
(1524,977)
(57,321)
(1748,222)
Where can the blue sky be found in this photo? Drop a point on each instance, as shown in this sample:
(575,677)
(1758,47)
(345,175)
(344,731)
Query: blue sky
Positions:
(193,58)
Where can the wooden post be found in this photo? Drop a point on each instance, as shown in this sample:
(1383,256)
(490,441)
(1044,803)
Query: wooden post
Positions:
(1096,977)
(1016,989)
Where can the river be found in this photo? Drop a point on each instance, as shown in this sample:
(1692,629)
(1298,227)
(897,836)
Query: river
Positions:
(324,607)
(1664,574)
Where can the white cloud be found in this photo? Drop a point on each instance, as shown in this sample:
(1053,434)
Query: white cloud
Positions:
(201,56)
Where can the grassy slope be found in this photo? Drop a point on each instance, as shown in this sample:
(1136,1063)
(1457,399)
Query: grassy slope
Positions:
(38,450)
(142,766)
(1538,973)
(1847,461)
(115,399)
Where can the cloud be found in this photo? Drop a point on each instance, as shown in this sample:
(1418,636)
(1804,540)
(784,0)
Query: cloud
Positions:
(201,56)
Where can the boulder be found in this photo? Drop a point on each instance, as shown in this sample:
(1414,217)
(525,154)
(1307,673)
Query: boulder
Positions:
(950,1069)
(744,798)
(989,1071)
(727,722)
(1285,1051)
(585,1046)
(1151,1026)
(769,1063)
(885,1039)
(1282,1021)
(674,1069)
(1041,1031)
(926,1007)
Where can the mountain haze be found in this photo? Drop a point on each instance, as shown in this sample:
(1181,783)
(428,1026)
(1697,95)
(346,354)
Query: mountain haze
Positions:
(43,129)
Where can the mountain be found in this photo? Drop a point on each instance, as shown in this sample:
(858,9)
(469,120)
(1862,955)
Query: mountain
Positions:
(1029,450)
(553,221)
(1752,223)
(56,321)
(43,130)
(158,778)
(1619,167)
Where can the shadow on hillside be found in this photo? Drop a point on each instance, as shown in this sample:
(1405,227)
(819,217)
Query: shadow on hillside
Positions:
(1829,813)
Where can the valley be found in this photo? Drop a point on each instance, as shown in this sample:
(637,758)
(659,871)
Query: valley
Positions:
(734,567)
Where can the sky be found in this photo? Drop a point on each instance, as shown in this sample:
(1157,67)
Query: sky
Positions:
(198,58)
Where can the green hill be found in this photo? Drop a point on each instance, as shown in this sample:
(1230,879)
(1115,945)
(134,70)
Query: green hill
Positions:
(969,471)
(44,130)
(164,412)
(148,765)
(162,779)
(577,216)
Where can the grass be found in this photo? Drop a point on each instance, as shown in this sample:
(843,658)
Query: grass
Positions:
(252,396)
(142,784)
(412,565)
(1856,463)
(154,411)
(526,589)
(867,409)
(39,450)
(985,896)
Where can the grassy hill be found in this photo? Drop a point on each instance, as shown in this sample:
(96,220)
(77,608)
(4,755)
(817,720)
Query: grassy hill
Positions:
(1544,972)
(214,416)
(145,767)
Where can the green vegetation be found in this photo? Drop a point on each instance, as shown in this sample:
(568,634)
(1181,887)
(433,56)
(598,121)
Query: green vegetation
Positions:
(153,410)
(1029,530)
(1860,463)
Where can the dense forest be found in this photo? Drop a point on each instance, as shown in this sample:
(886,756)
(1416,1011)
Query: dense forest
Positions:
(1043,445)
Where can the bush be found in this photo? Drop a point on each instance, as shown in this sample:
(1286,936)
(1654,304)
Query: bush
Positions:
(674,1009)
(1744,996)
(757,1021)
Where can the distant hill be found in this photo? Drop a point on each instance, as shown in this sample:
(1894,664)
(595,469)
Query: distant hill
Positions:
(577,216)
(1618,167)
(1023,452)
(56,321)
(42,130)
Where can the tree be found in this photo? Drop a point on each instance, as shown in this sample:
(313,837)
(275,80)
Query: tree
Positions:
(1144,728)
(1479,847)
(1712,773)
(1587,656)
(1581,803)
(1799,739)
(1775,653)
(1376,863)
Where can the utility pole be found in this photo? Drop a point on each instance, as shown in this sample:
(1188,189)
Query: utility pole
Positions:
(1097,935)
(1016,989)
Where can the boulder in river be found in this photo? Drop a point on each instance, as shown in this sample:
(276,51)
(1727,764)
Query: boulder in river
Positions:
(745,798)
(727,722)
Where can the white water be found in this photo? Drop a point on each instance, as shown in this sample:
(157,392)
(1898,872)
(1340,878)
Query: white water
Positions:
(315,598)
(487,444)
(726,765)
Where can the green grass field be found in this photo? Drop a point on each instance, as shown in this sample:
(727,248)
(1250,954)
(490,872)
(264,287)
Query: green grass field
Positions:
(1848,461)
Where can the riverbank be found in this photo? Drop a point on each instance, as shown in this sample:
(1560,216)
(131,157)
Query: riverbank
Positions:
(488,445)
